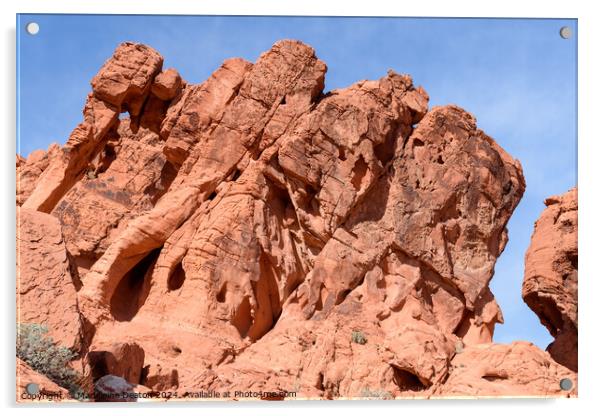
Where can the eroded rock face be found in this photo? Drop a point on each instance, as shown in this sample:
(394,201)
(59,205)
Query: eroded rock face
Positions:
(253,232)
(515,370)
(46,283)
(550,284)
(29,170)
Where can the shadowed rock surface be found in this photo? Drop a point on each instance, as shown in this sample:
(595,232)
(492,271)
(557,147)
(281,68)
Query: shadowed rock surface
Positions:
(550,284)
(254,232)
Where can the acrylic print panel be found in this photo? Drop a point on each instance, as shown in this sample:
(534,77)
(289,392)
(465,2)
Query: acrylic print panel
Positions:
(292,208)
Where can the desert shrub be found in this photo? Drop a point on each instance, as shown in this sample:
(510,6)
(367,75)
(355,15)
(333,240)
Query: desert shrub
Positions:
(45,356)
(376,394)
(358,337)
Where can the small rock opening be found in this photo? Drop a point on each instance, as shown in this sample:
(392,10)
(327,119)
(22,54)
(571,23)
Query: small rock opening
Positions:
(158,188)
(176,278)
(386,150)
(342,295)
(407,381)
(106,157)
(221,295)
(574,260)
(417,143)
(494,377)
(98,365)
(144,374)
(132,290)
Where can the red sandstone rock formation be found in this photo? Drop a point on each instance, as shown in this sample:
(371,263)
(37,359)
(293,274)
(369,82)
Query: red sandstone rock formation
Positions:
(255,233)
(550,285)
(46,284)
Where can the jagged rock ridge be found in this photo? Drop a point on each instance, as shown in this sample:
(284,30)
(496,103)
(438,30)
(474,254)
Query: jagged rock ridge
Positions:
(243,232)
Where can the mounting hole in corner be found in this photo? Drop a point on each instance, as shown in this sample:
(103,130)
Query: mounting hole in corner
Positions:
(32,388)
(565,32)
(566,384)
(32,28)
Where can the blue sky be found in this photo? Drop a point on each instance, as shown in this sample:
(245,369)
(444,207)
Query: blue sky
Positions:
(517,76)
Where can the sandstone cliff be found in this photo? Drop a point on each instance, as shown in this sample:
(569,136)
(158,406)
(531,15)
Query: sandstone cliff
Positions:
(550,285)
(256,233)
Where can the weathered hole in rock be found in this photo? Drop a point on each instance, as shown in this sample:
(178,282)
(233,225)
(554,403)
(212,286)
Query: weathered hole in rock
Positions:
(144,374)
(494,377)
(106,157)
(342,296)
(359,171)
(386,150)
(176,278)
(212,196)
(417,143)
(407,380)
(236,175)
(320,382)
(156,190)
(280,202)
(567,225)
(573,259)
(132,290)
(97,361)
(462,329)
(221,295)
